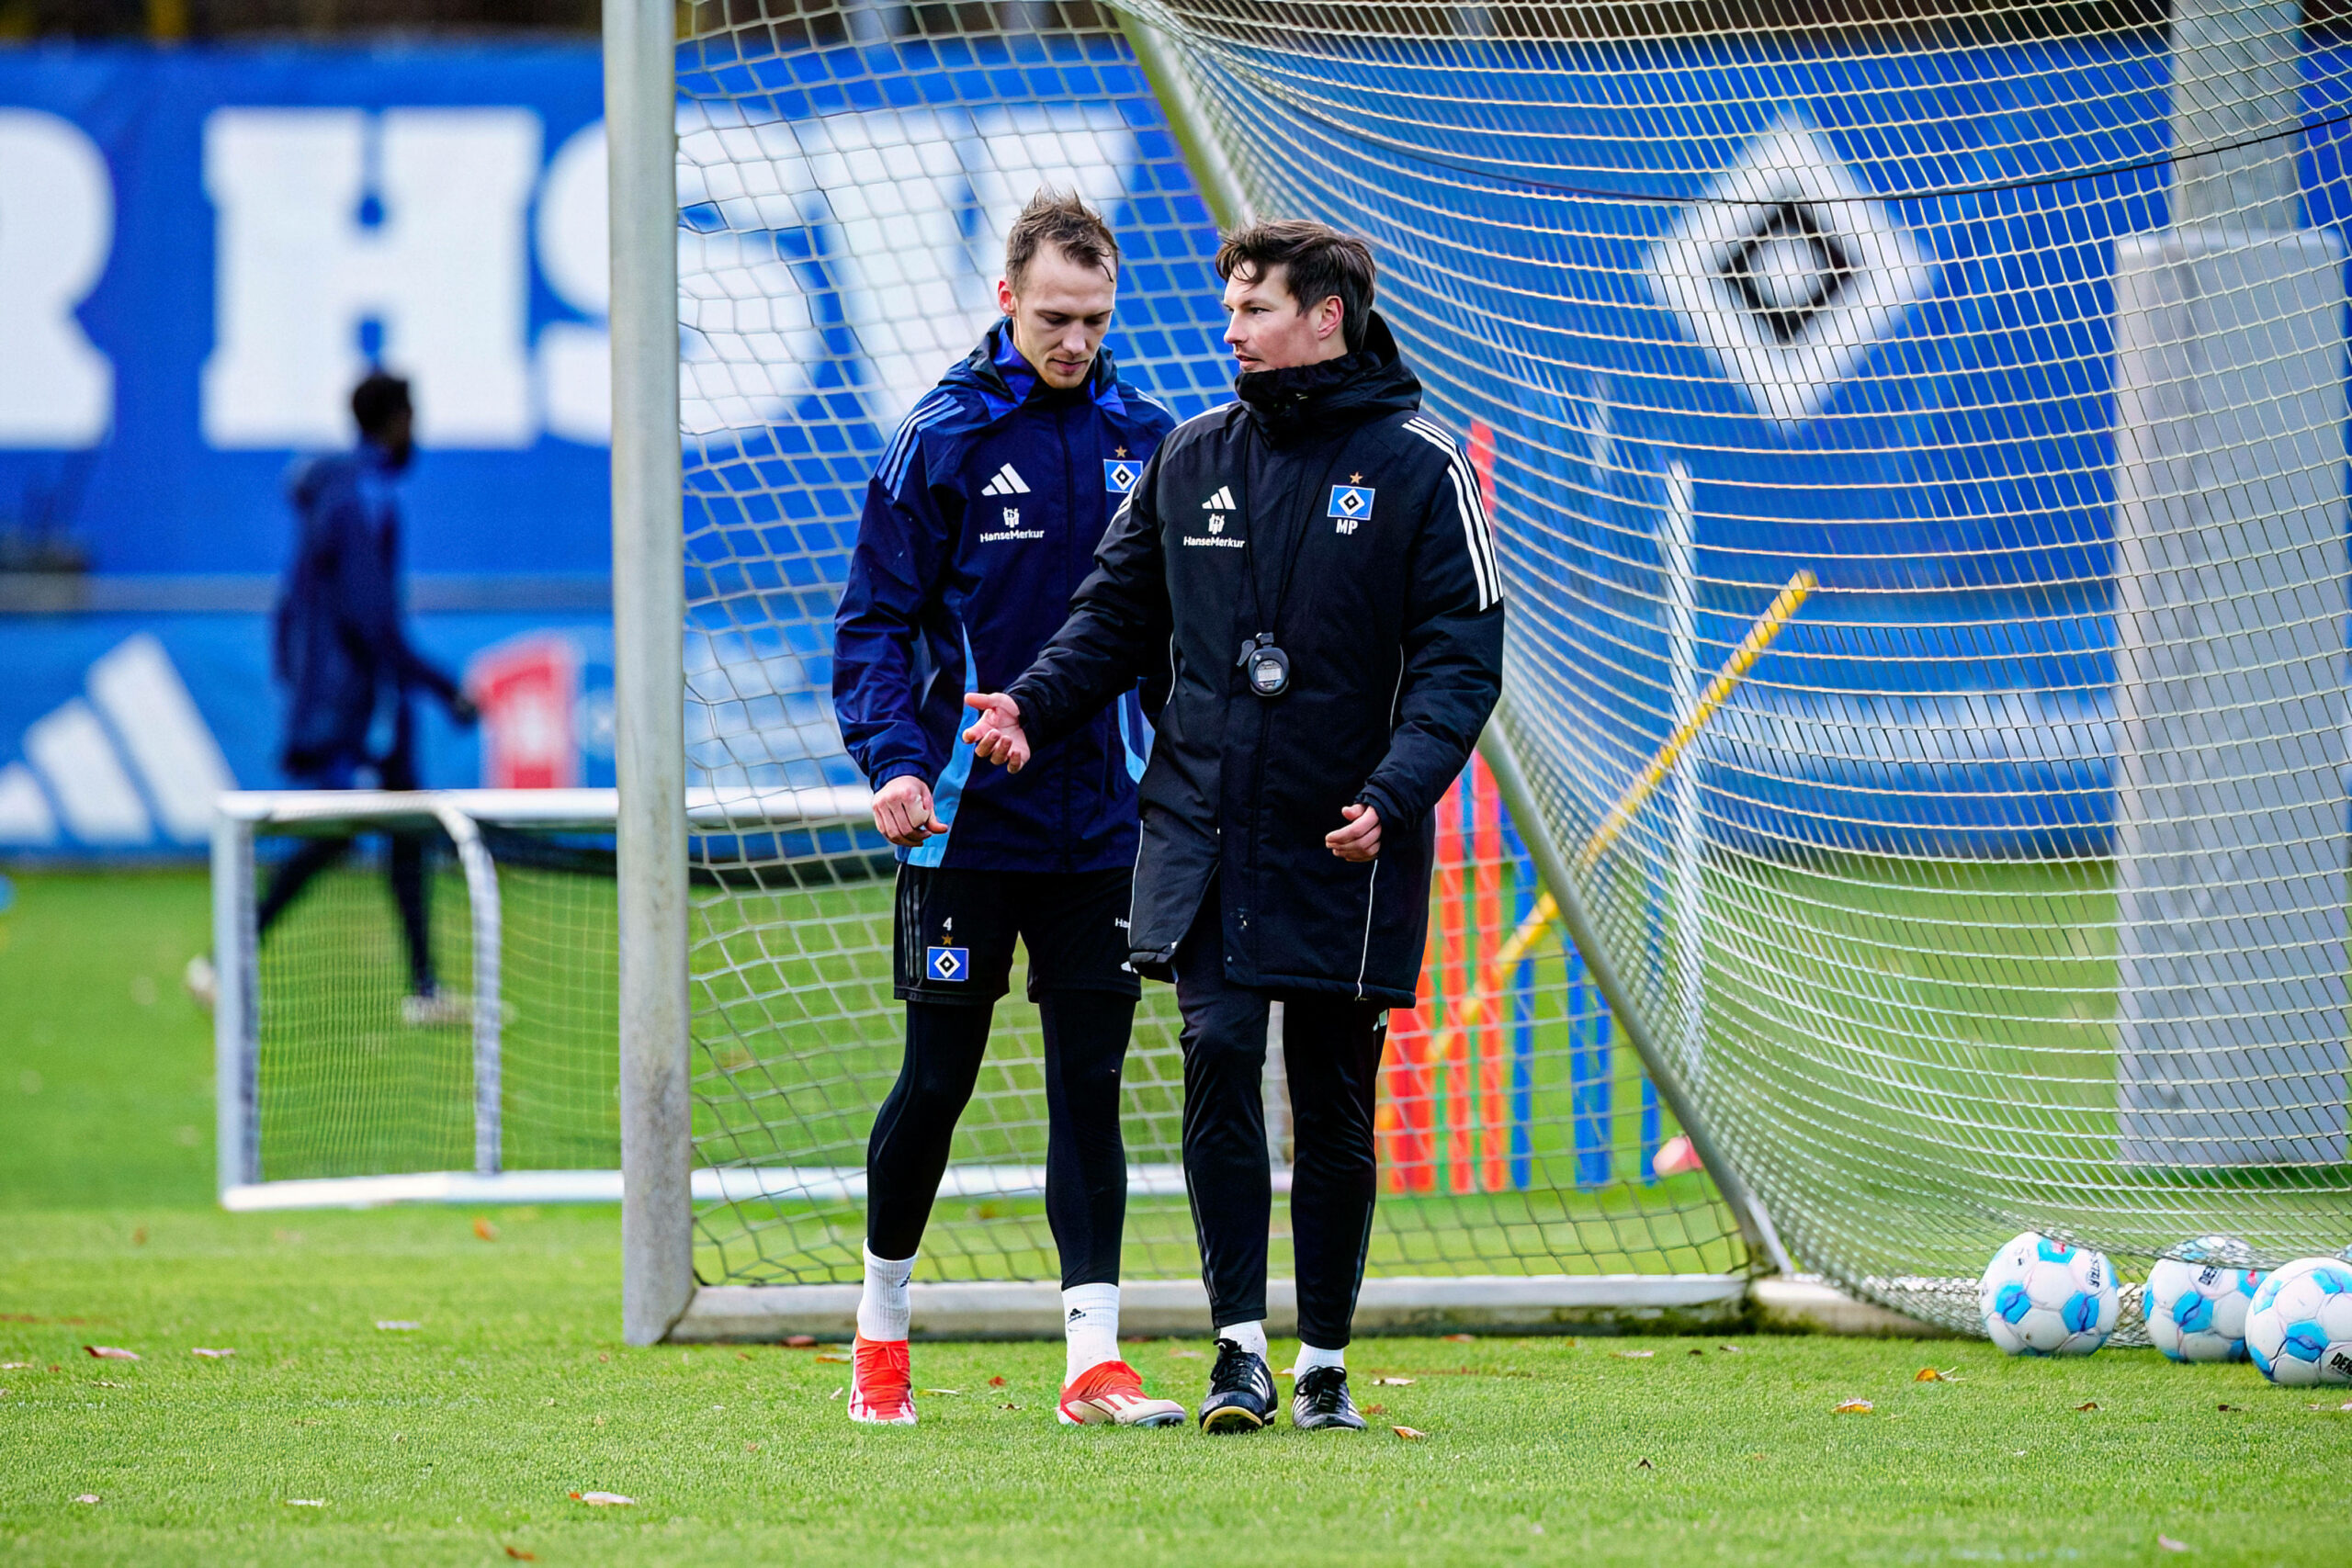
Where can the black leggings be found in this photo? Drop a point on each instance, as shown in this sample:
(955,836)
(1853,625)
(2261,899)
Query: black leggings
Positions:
(407,874)
(1085,1161)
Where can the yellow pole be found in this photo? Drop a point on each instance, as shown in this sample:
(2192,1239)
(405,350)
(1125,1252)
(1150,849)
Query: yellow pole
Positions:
(1492,977)
(1743,658)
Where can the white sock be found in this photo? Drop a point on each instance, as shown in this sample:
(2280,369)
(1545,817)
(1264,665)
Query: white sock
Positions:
(1250,1337)
(883,1311)
(1309,1358)
(1090,1328)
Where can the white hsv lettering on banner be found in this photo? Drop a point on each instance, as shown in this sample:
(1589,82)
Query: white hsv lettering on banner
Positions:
(327,222)
(904,213)
(56,228)
(575,360)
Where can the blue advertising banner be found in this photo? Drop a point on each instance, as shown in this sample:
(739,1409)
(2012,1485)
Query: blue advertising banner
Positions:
(201,251)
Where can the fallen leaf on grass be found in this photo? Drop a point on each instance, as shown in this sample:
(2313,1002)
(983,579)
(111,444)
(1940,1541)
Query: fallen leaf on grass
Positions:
(1408,1433)
(1633,1355)
(1183,1355)
(1930,1374)
(397,1325)
(2331,1409)
(1696,1351)
(111,1352)
(306,1502)
(743,1355)
(88,1497)
(1726,1349)
(17,1367)
(751,1447)
(1645,1464)
(835,1394)
(1393,1382)
(1854,1407)
(799,1341)
(2166,1543)
(210,1354)
(832,1356)
(996,1382)
(1287,1373)
(604,1499)
(485,1230)
(2237,1407)
(1008,1405)
(1461,1339)
(103,1383)
(1375,1410)
(2088,1404)
(519,1555)
(949,1393)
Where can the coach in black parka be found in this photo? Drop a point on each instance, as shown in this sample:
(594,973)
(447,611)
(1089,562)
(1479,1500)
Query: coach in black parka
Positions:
(1307,581)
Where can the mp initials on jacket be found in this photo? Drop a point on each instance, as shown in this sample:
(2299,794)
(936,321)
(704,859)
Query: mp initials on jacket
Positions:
(980,521)
(1392,619)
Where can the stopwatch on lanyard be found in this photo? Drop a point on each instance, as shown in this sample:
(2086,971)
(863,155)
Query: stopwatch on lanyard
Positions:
(1262,661)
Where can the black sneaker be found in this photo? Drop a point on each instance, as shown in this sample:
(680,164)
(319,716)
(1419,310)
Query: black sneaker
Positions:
(1320,1401)
(1241,1392)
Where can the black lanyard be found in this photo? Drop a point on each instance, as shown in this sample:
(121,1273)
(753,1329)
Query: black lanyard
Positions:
(1262,660)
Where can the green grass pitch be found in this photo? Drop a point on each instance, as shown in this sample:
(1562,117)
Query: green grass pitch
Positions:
(460,1441)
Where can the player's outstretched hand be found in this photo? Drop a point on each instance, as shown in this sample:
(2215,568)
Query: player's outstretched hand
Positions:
(996,735)
(1360,840)
(902,812)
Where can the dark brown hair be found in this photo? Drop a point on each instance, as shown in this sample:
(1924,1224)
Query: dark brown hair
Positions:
(1317,262)
(1067,224)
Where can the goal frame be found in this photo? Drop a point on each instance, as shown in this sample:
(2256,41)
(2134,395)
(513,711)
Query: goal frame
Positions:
(661,1299)
(242,815)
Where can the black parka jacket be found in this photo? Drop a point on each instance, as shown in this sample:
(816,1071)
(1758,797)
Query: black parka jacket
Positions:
(1393,622)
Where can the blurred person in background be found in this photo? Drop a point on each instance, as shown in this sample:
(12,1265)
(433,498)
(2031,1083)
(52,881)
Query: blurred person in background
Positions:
(342,652)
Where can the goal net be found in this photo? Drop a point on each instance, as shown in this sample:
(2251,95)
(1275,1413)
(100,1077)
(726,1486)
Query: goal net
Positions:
(2007,890)
(1917,447)
(846,176)
(446,1041)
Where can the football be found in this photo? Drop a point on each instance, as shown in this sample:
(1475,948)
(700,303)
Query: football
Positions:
(2300,1330)
(2043,1297)
(2197,1297)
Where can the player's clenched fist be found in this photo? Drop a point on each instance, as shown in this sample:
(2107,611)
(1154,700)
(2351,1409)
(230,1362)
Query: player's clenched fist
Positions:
(996,735)
(903,813)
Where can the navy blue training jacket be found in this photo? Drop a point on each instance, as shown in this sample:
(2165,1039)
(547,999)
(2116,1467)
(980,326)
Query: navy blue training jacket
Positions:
(341,648)
(980,523)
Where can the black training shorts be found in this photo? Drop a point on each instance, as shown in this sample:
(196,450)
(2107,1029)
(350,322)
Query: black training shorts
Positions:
(953,936)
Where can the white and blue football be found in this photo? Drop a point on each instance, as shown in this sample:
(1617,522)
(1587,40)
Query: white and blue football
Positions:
(2197,1297)
(2044,1298)
(2300,1331)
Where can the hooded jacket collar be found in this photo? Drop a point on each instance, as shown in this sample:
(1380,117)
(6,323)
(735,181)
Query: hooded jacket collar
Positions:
(996,369)
(1292,402)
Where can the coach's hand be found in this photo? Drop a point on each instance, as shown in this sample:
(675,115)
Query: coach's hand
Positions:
(902,811)
(996,735)
(1360,840)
